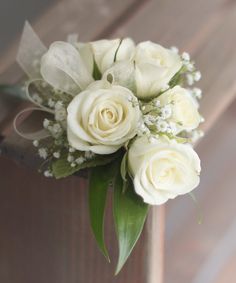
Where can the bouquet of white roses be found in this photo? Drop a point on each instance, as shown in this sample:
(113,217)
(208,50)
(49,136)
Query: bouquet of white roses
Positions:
(124,111)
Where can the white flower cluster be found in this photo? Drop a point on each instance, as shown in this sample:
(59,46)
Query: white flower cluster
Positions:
(112,94)
(54,128)
(76,160)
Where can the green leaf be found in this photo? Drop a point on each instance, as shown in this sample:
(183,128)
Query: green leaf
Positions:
(177,78)
(129,214)
(99,181)
(61,168)
(124,171)
(13,90)
(123,167)
(97,75)
(115,57)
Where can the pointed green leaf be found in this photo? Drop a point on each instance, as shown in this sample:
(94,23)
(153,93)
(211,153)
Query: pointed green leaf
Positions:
(177,78)
(97,75)
(99,181)
(61,168)
(129,213)
(115,57)
(123,167)
(123,171)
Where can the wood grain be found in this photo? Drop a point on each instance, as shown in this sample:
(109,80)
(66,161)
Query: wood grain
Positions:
(155,230)
(194,252)
(46,218)
(45,234)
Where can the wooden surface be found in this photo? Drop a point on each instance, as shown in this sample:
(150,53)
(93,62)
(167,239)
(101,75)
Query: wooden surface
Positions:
(45,234)
(206,253)
(43,219)
(155,230)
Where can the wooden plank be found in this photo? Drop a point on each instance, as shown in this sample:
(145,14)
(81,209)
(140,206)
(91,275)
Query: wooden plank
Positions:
(45,232)
(228,272)
(168,23)
(155,230)
(219,86)
(177,32)
(25,9)
(197,246)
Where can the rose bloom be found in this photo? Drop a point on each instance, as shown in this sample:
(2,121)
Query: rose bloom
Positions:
(162,169)
(104,51)
(184,108)
(155,67)
(102,118)
(148,72)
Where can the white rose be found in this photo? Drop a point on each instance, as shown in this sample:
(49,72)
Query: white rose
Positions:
(136,78)
(62,66)
(102,118)
(163,169)
(151,69)
(155,66)
(106,50)
(184,109)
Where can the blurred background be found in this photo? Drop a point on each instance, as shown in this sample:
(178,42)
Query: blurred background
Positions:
(13,15)
(44,223)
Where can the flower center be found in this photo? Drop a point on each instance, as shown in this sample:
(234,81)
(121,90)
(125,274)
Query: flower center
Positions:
(166,174)
(108,114)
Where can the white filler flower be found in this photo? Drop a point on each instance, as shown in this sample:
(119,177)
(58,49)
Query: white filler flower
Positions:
(163,169)
(102,118)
